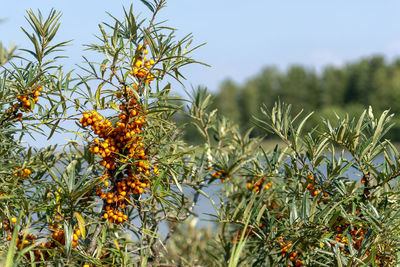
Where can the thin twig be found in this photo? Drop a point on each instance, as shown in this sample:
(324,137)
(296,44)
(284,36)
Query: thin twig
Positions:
(93,242)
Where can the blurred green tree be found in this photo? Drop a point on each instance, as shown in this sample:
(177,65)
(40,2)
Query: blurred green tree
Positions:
(347,89)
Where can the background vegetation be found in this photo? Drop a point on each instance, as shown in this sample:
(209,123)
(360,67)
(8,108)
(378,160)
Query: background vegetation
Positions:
(350,89)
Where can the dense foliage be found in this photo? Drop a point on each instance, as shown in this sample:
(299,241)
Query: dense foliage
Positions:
(328,196)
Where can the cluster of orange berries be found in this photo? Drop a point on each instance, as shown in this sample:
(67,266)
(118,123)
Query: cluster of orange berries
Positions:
(220,175)
(20,175)
(117,145)
(7,227)
(357,234)
(341,239)
(293,256)
(22,241)
(117,200)
(24,173)
(141,67)
(314,190)
(24,103)
(24,100)
(258,184)
(27,241)
(58,237)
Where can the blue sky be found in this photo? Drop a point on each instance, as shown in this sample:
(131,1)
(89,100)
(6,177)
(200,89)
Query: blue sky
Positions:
(241,36)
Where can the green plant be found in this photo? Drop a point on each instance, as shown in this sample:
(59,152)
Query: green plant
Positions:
(101,198)
(329,196)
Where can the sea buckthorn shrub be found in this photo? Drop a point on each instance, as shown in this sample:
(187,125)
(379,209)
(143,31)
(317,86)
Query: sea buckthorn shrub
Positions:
(31,103)
(124,172)
(323,198)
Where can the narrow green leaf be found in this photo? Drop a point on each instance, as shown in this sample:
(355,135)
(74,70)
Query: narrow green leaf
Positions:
(98,94)
(81,224)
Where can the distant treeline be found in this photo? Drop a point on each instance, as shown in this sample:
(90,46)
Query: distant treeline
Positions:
(348,89)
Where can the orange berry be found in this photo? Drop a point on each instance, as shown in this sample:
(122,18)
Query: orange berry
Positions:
(14,220)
